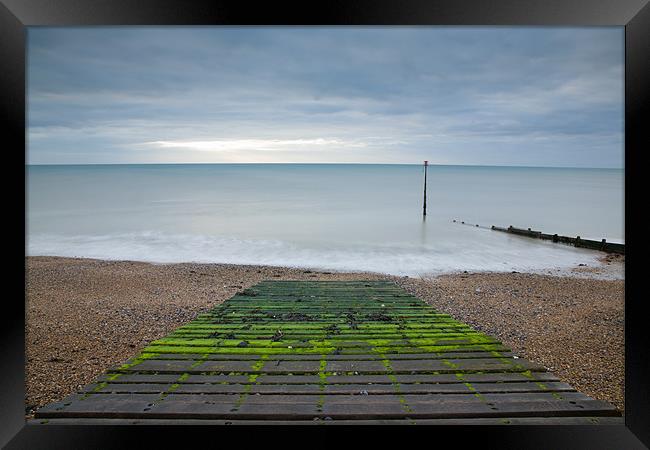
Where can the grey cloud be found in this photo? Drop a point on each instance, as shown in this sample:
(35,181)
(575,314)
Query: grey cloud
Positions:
(556,94)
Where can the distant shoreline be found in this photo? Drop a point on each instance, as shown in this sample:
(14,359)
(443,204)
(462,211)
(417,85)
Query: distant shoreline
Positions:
(86,315)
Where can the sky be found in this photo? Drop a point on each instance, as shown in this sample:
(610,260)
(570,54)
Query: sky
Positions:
(513,96)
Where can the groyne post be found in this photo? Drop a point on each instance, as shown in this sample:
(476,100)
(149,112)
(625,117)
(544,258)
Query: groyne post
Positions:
(424,206)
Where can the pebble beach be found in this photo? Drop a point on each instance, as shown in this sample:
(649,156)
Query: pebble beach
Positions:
(84,316)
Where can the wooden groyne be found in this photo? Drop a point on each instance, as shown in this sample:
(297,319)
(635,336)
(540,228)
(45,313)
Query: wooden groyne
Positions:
(299,352)
(602,245)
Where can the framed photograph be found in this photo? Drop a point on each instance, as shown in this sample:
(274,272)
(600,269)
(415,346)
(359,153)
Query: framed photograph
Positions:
(366,213)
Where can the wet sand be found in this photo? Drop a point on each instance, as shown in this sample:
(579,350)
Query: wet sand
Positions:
(84,315)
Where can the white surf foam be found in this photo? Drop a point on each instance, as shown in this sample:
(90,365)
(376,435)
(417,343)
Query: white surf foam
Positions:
(491,251)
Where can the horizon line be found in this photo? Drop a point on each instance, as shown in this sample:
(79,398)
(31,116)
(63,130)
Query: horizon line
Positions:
(318,163)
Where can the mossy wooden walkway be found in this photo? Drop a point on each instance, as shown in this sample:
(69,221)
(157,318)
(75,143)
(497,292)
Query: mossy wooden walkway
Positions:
(324,353)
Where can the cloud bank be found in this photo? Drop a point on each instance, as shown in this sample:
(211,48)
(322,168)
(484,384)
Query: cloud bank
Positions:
(452,95)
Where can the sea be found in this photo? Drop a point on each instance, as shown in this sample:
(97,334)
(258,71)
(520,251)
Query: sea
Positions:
(335,217)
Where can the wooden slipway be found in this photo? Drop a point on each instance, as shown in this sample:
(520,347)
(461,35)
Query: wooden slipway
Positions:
(362,352)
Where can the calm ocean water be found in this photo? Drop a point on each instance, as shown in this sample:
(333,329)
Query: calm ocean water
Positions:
(336,217)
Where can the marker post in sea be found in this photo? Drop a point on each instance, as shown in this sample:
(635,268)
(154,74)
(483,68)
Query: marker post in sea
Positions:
(424,207)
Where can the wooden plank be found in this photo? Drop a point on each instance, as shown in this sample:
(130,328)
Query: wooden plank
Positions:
(476,380)
(328,357)
(341,406)
(127,388)
(351,389)
(115,405)
(356,366)
(335,367)
(318,350)
(291,367)
(460,365)
(319,421)
(431,410)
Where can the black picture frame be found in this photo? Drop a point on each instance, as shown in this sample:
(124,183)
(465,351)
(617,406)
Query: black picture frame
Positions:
(16,15)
